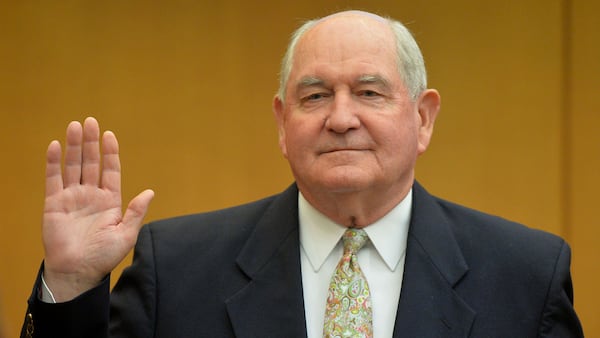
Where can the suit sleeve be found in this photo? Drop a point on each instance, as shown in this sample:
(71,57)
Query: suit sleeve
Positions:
(128,312)
(559,318)
(85,316)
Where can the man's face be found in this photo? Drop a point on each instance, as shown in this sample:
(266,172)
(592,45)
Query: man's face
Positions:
(348,123)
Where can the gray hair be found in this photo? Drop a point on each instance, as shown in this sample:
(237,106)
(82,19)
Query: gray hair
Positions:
(411,65)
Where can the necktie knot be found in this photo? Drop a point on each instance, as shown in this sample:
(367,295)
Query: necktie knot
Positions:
(353,240)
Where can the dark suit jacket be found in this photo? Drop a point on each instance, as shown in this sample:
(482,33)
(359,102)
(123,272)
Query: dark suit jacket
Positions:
(236,273)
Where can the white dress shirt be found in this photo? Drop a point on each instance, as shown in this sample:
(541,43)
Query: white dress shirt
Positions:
(381,260)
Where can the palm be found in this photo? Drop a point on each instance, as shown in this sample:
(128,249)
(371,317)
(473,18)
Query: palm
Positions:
(84,231)
(78,221)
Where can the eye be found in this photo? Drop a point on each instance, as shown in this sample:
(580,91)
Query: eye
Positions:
(314,97)
(369,93)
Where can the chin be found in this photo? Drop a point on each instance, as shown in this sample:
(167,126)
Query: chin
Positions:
(346,178)
(342,183)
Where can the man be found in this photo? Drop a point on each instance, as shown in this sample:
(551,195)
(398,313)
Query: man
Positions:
(353,113)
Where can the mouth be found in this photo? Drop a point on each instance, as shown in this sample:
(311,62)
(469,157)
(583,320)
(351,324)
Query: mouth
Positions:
(338,150)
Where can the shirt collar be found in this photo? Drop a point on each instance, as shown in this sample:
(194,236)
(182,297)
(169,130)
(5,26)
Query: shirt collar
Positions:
(319,235)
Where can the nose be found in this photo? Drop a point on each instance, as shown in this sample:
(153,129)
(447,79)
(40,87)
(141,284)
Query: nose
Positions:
(343,115)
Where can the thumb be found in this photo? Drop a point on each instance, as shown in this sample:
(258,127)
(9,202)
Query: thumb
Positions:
(136,210)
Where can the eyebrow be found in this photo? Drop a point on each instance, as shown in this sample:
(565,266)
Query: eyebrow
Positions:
(309,81)
(373,79)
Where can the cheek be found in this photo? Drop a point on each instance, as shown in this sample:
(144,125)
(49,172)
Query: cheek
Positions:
(397,142)
(302,131)
(296,142)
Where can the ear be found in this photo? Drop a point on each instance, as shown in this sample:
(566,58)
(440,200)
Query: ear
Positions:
(278,111)
(428,106)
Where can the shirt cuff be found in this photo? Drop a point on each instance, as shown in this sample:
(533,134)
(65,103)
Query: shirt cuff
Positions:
(46,295)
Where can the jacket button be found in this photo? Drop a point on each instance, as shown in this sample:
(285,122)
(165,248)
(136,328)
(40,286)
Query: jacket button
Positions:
(29,325)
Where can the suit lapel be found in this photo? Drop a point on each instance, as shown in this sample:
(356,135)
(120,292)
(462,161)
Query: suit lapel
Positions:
(429,306)
(272,304)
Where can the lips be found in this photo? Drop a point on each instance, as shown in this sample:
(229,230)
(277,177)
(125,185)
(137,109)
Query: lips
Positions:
(345,145)
(328,151)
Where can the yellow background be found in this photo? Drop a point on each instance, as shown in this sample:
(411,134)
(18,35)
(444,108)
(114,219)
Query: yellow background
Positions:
(187,87)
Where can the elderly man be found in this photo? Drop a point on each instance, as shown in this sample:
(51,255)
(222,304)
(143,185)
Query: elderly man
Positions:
(355,247)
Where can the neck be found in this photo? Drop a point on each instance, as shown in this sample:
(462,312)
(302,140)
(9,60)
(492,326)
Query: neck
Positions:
(355,209)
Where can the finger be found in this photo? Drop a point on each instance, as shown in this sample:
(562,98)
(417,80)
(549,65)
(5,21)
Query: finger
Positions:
(72,174)
(111,170)
(90,167)
(54,180)
(134,215)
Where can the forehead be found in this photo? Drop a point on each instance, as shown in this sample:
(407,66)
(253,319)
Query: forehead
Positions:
(346,44)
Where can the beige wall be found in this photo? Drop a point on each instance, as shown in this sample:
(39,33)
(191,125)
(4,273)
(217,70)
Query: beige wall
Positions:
(581,178)
(187,86)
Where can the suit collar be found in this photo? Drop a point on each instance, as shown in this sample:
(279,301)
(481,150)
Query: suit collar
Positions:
(272,303)
(434,264)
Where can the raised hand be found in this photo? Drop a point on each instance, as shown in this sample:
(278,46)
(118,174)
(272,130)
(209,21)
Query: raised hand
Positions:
(84,230)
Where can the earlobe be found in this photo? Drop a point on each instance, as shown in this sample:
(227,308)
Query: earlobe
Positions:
(278,112)
(428,106)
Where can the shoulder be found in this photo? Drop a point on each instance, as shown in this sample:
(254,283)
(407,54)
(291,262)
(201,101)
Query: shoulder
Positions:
(492,246)
(513,266)
(220,231)
(479,230)
(236,216)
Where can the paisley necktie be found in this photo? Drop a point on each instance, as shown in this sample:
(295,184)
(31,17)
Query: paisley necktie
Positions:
(348,312)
